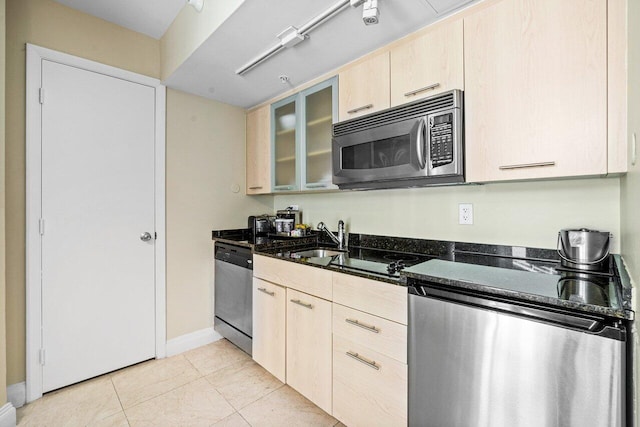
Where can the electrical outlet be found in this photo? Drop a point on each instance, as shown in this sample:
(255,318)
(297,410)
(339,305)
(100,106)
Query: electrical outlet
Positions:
(465,213)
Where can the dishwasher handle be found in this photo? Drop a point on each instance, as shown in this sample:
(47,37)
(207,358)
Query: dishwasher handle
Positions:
(593,324)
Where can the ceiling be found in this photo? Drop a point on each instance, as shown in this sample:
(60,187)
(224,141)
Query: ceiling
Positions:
(252,29)
(150,17)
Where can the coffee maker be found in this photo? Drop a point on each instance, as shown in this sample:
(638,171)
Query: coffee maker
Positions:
(287,219)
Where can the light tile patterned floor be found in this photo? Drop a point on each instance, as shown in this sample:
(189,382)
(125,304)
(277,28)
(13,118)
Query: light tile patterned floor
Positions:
(215,385)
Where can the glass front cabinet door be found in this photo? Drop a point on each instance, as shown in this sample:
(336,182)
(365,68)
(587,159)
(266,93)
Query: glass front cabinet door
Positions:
(302,138)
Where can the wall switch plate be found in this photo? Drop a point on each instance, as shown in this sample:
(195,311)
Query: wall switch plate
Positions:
(465,213)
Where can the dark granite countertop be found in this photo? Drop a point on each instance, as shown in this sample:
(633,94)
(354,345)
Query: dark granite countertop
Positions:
(526,274)
(531,286)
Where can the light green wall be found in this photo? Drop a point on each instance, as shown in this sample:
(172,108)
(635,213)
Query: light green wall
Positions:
(205,191)
(521,213)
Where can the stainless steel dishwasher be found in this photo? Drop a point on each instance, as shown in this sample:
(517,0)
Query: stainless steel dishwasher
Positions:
(477,360)
(233,294)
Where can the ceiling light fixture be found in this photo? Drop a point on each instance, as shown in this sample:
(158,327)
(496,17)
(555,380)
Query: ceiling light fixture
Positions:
(196,4)
(291,36)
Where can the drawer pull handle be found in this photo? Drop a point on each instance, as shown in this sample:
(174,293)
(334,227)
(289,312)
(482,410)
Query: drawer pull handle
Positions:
(527,165)
(259,187)
(364,107)
(305,305)
(317,185)
(371,364)
(363,326)
(422,89)
(264,290)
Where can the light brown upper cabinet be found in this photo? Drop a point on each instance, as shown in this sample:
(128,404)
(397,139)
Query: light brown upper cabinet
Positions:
(364,87)
(428,64)
(536,90)
(258,151)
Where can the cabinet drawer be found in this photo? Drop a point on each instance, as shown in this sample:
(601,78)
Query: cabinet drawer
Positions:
(379,298)
(311,280)
(376,333)
(370,390)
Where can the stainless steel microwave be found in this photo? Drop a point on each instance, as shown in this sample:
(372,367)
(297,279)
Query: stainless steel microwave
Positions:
(412,145)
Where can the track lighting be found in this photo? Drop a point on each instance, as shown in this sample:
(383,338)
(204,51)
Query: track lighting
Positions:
(291,36)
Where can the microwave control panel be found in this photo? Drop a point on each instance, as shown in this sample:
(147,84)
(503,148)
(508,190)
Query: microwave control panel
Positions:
(441,139)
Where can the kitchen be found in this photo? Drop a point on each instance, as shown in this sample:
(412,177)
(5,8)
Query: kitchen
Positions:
(519,213)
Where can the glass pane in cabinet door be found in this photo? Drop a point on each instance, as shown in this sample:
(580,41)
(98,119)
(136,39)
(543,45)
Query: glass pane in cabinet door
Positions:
(285,145)
(318,136)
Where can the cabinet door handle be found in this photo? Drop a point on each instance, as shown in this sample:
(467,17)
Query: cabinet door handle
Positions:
(259,187)
(422,89)
(371,364)
(527,165)
(364,107)
(316,185)
(363,326)
(297,301)
(265,291)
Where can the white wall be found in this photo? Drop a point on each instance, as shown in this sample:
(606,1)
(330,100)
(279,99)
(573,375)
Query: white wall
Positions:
(520,213)
(205,163)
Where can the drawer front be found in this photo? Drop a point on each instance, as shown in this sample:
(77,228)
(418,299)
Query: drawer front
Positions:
(311,280)
(364,395)
(371,296)
(376,333)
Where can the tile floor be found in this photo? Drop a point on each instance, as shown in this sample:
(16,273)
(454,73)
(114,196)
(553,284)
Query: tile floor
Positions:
(214,385)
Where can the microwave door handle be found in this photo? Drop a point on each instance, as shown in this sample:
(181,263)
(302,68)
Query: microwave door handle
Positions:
(420,143)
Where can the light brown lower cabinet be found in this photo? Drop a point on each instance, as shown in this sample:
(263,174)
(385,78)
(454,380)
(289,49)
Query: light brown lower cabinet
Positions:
(269,327)
(369,388)
(309,347)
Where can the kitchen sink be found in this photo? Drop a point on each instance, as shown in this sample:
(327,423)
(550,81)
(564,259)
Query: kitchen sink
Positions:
(317,253)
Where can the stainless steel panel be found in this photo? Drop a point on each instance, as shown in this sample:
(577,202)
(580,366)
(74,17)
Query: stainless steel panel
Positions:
(233,296)
(470,366)
(233,335)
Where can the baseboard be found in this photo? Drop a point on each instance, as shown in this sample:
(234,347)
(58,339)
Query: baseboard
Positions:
(190,341)
(8,415)
(17,394)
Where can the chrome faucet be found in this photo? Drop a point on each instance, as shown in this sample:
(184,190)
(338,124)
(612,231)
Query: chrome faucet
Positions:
(340,239)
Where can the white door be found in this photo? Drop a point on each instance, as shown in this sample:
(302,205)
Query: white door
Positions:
(98,290)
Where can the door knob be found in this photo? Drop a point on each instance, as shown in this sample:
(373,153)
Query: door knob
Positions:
(146,236)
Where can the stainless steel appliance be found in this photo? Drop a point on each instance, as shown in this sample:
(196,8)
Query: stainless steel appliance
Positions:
(260,225)
(233,294)
(414,144)
(583,249)
(489,360)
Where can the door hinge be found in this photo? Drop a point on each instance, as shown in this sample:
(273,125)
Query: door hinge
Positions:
(42,356)
(41,95)
(41,226)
